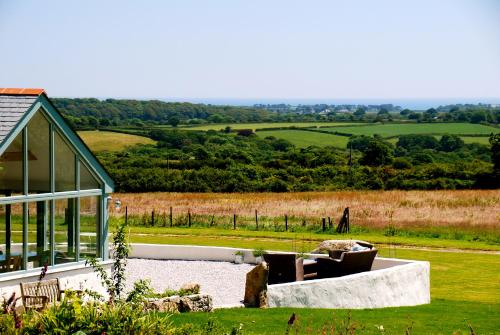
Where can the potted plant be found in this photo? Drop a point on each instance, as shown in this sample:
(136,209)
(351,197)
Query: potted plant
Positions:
(258,253)
(238,257)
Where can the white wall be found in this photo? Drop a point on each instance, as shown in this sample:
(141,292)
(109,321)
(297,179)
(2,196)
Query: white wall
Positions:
(76,276)
(406,284)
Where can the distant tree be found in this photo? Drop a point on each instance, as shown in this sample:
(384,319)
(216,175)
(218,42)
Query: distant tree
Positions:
(405,112)
(245,132)
(495,151)
(450,143)
(478,116)
(383,111)
(377,153)
(361,111)
(412,142)
(414,116)
(174,121)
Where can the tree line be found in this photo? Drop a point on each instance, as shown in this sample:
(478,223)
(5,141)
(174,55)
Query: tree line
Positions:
(190,161)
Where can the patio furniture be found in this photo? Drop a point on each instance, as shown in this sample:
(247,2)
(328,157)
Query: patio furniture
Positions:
(350,262)
(310,269)
(37,295)
(12,263)
(337,253)
(284,268)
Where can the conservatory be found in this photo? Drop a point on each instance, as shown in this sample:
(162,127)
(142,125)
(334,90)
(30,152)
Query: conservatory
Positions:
(53,191)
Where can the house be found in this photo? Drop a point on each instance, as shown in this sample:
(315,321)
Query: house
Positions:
(53,192)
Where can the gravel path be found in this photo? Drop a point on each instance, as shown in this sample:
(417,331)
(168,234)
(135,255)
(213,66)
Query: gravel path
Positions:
(224,281)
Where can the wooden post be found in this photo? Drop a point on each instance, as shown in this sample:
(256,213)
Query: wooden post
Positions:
(171,217)
(256,221)
(234,221)
(329,223)
(323,224)
(189,218)
(126,215)
(153,218)
(286,222)
(212,220)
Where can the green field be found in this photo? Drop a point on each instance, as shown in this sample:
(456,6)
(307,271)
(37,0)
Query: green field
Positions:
(111,141)
(390,130)
(255,126)
(303,139)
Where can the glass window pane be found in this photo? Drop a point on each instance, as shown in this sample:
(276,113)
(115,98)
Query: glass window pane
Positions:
(11,168)
(39,234)
(11,237)
(65,231)
(87,180)
(64,166)
(89,227)
(38,154)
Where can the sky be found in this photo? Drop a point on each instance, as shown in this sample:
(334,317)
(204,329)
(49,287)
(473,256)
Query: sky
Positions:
(260,49)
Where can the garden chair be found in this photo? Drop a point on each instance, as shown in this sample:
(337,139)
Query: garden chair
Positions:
(37,295)
(350,262)
(284,268)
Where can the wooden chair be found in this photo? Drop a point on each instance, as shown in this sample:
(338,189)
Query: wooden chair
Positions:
(284,268)
(350,262)
(37,295)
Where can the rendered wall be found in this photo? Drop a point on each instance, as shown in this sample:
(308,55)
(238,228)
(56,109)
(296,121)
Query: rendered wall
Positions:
(406,284)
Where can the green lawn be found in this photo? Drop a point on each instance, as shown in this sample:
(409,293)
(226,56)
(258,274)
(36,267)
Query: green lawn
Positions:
(440,317)
(292,241)
(388,130)
(265,125)
(303,139)
(464,289)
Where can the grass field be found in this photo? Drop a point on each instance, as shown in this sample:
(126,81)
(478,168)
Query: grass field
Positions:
(265,125)
(111,141)
(303,139)
(388,130)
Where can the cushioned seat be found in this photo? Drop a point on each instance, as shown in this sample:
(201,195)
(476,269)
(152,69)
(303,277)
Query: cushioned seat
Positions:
(350,262)
(284,268)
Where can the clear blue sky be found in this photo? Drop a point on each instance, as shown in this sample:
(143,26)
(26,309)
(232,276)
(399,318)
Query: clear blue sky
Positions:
(253,49)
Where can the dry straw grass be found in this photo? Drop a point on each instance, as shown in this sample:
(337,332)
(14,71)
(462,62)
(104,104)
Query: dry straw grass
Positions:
(469,209)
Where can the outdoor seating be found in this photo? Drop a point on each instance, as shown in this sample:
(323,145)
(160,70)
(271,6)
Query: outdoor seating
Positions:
(37,295)
(12,263)
(284,268)
(350,262)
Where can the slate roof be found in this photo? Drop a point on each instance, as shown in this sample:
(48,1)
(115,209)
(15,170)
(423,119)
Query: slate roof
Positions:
(14,102)
(12,109)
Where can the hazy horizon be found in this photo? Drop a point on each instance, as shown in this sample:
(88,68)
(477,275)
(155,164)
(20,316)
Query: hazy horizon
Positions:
(192,49)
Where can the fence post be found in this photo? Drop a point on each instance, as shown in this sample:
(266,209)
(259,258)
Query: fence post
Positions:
(153,218)
(126,215)
(189,218)
(256,221)
(171,217)
(329,223)
(323,223)
(234,221)
(286,222)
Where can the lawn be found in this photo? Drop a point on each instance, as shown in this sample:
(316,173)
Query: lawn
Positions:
(389,130)
(111,141)
(303,139)
(464,289)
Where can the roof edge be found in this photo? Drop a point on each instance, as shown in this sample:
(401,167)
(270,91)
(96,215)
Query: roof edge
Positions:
(22,91)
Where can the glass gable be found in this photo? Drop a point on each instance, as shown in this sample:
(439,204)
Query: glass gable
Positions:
(44,225)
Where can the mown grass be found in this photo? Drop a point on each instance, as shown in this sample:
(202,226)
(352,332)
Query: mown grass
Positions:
(293,241)
(464,288)
(111,141)
(439,317)
(303,139)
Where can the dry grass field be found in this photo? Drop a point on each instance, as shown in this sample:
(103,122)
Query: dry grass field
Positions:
(469,209)
(111,141)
